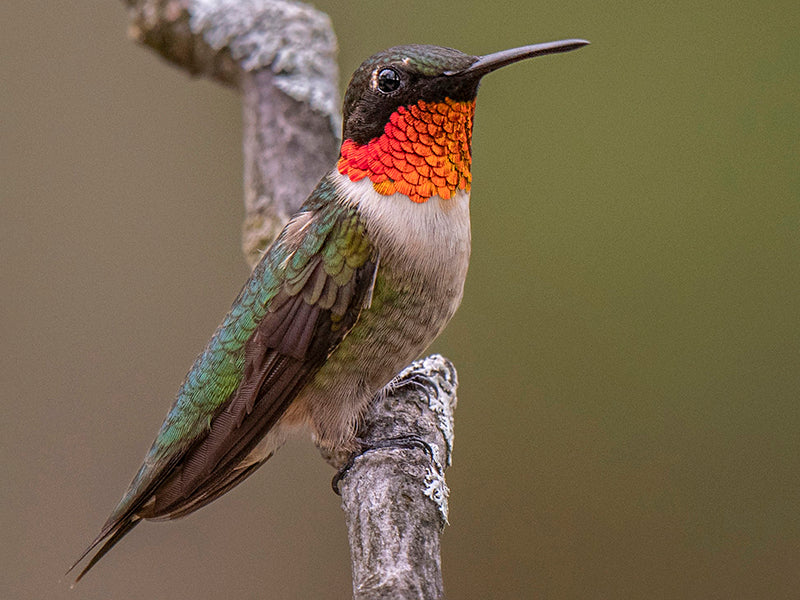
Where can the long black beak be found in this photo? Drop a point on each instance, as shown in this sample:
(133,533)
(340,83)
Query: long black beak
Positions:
(490,62)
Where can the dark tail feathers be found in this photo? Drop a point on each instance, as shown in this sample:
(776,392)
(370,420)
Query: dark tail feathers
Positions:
(111,534)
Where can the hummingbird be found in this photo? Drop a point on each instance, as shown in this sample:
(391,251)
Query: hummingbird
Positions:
(360,281)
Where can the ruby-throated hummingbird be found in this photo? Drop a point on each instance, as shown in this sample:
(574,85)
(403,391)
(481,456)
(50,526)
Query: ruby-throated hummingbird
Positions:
(359,283)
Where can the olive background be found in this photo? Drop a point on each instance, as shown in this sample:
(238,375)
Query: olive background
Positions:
(628,346)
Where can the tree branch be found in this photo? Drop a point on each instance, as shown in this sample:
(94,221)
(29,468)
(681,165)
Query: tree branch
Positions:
(395,498)
(281,56)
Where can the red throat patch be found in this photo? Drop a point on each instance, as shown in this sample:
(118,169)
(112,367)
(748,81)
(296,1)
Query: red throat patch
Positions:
(423,152)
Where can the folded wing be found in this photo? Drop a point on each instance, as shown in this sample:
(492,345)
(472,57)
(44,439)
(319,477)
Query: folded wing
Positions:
(300,302)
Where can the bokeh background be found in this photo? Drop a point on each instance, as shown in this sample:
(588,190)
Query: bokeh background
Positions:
(628,347)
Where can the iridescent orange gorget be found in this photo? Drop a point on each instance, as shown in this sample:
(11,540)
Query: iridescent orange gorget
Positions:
(423,152)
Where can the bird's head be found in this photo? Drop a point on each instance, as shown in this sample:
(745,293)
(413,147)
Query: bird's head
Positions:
(408,116)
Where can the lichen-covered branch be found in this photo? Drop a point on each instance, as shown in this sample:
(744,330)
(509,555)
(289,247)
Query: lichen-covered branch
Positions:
(281,56)
(288,147)
(395,497)
(164,26)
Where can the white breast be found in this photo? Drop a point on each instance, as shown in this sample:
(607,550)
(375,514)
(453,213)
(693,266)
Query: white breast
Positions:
(432,237)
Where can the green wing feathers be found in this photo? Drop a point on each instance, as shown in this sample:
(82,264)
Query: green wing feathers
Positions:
(299,303)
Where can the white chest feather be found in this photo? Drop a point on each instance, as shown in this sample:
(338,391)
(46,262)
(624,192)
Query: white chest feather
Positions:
(431,237)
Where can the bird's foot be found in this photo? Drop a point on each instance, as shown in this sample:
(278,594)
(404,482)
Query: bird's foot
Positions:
(416,381)
(409,442)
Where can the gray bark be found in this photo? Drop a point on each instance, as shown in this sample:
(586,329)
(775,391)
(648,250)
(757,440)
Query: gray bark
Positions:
(281,56)
(395,498)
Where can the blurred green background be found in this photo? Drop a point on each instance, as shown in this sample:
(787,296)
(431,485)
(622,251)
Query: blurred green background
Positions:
(628,347)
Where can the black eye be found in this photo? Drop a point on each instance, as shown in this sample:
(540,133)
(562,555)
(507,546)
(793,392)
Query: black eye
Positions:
(388,81)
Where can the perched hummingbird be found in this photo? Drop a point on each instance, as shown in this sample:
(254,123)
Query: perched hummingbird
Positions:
(358,284)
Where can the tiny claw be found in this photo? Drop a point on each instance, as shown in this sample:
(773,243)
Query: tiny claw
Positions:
(408,442)
(342,473)
(416,381)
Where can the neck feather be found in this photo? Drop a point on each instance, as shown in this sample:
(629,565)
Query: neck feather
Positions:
(423,152)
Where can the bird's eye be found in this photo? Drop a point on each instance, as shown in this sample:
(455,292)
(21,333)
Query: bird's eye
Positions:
(388,81)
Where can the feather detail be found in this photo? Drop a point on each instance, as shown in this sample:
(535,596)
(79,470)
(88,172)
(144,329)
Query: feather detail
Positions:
(299,303)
